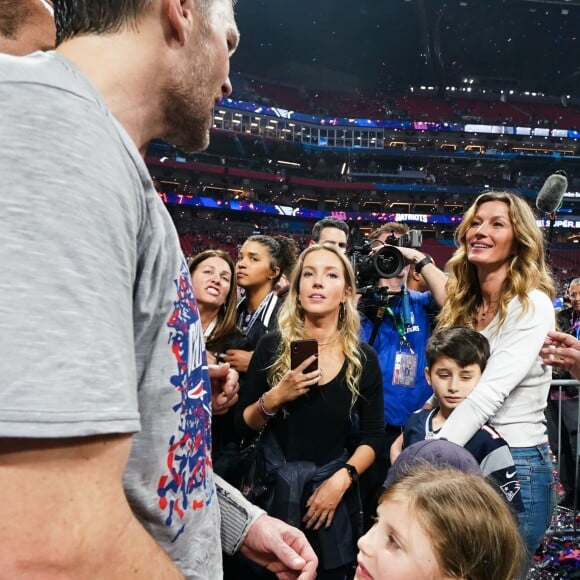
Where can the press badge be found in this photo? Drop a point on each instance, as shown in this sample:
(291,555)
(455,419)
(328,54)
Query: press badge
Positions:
(405,369)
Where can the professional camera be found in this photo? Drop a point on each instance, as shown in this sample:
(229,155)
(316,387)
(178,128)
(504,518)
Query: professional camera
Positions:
(386,262)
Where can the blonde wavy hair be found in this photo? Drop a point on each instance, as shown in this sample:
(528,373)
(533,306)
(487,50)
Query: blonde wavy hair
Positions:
(292,316)
(527,268)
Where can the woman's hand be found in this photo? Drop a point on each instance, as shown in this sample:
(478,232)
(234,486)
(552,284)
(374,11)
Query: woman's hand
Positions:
(294,384)
(323,502)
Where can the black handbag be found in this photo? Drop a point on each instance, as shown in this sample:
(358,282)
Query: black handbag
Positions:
(260,457)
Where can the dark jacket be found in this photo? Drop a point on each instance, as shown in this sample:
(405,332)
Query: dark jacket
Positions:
(290,484)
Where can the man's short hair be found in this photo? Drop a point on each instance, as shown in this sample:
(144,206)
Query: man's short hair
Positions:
(463,345)
(390,228)
(74,17)
(328,222)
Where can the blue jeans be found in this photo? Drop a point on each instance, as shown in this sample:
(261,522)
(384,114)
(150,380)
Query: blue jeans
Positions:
(535,472)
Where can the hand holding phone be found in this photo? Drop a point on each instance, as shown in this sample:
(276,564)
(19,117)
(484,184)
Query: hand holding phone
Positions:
(300,350)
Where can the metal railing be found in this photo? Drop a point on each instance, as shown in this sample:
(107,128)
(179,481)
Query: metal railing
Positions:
(562,385)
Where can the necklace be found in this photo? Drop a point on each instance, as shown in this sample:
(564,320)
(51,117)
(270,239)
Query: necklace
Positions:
(327,342)
(490,309)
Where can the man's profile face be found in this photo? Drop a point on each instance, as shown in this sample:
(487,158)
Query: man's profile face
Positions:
(330,235)
(202,77)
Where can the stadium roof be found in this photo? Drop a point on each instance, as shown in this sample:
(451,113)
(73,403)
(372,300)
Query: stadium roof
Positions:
(529,45)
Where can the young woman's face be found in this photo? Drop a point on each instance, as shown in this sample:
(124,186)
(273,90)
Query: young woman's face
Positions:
(322,287)
(212,280)
(253,266)
(396,547)
(490,238)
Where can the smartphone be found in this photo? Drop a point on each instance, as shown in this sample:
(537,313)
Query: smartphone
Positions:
(300,350)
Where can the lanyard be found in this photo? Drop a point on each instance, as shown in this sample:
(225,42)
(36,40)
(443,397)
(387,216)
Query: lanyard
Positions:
(209,329)
(399,326)
(246,328)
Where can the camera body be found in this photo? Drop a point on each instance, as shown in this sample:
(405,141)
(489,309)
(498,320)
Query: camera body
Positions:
(386,262)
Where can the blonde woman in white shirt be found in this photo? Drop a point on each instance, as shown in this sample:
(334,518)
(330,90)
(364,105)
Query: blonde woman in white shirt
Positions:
(500,285)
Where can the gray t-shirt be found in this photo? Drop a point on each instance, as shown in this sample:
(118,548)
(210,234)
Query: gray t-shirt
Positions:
(99,328)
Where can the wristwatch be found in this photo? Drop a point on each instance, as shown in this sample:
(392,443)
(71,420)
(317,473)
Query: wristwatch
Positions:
(422,263)
(351,471)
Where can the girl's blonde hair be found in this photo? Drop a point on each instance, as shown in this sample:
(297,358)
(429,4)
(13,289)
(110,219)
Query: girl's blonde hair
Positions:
(474,534)
(527,268)
(291,322)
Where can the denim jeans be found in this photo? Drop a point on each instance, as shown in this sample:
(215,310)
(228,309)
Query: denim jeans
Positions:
(535,472)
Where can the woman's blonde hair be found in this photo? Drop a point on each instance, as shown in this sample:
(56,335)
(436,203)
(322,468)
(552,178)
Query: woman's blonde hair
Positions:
(473,532)
(527,267)
(291,322)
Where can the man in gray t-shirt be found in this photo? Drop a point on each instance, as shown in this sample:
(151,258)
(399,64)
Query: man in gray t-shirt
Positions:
(105,396)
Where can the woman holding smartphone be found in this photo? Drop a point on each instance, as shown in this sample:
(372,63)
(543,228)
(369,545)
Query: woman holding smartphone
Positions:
(310,413)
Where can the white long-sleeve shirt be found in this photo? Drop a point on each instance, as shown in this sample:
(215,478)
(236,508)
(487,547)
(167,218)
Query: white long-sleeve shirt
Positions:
(513,389)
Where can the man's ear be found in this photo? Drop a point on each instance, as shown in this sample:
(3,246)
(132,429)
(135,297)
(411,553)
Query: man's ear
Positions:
(428,376)
(180,18)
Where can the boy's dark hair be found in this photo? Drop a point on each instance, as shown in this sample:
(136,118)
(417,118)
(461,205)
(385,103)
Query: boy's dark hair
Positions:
(328,222)
(463,345)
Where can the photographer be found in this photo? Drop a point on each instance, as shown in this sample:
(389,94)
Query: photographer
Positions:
(396,323)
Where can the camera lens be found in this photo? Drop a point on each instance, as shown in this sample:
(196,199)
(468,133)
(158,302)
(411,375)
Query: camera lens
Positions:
(388,262)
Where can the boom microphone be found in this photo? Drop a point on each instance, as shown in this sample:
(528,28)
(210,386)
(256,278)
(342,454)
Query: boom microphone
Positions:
(552,193)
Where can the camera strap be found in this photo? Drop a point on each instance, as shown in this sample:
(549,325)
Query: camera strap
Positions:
(377,323)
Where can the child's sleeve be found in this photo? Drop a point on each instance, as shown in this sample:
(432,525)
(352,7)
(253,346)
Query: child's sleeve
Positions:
(414,430)
(499,464)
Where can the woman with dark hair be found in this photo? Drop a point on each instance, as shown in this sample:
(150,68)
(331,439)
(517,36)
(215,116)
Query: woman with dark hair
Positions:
(500,285)
(261,263)
(212,276)
(309,412)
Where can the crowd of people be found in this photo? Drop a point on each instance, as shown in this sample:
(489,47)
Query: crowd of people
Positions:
(138,379)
